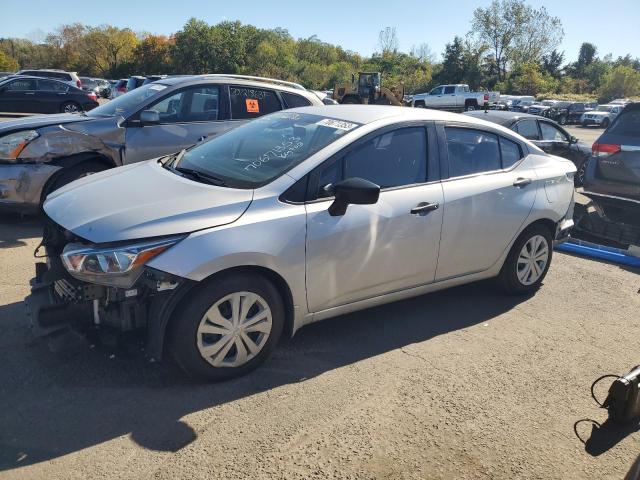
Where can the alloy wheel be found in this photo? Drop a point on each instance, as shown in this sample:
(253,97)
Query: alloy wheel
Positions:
(234,329)
(532,260)
(70,108)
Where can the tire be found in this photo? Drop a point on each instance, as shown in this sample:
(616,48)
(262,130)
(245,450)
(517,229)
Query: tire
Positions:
(562,120)
(513,278)
(420,105)
(605,123)
(70,174)
(585,124)
(189,342)
(470,107)
(70,107)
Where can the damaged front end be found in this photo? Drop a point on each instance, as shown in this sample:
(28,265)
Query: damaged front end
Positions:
(62,299)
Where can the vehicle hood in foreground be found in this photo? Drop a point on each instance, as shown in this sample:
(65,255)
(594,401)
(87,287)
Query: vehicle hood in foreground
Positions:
(142,200)
(38,121)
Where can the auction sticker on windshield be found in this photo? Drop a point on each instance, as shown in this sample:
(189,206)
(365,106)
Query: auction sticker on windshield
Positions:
(339,124)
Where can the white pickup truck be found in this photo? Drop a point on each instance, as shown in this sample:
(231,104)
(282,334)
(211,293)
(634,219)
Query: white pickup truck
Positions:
(454,97)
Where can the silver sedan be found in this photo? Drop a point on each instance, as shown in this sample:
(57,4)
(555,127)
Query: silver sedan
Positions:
(295,217)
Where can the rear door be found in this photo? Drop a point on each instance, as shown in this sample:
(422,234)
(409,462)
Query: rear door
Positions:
(51,95)
(187,116)
(487,198)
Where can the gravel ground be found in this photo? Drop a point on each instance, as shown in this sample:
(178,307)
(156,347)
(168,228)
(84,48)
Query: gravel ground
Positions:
(464,384)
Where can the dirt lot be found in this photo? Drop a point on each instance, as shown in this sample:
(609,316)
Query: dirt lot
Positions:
(464,384)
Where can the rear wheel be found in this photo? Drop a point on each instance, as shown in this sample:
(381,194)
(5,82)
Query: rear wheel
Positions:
(470,107)
(528,261)
(228,327)
(70,107)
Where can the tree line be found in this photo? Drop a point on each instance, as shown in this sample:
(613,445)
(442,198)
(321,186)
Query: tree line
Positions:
(511,47)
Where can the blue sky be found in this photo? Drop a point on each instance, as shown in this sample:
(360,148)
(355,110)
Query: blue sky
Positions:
(614,26)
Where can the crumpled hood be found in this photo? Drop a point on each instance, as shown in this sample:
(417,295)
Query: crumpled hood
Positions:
(38,121)
(142,200)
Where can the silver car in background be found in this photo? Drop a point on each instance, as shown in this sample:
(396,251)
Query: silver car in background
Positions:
(301,215)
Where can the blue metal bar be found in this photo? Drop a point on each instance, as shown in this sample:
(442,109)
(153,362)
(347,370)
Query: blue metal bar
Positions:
(610,254)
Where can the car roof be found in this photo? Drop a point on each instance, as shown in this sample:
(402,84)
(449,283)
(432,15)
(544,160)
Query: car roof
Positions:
(364,114)
(236,80)
(501,117)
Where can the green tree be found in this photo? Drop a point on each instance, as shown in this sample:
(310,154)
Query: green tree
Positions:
(7,63)
(621,82)
(152,55)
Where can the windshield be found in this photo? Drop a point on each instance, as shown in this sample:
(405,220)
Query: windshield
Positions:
(126,102)
(265,148)
(604,108)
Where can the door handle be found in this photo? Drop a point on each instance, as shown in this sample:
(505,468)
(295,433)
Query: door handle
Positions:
(521,182)
(424,208)
(29,93)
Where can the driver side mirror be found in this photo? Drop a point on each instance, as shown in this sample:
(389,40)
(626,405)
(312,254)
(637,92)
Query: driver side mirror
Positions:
(149,117)
(355,191)
(573,140)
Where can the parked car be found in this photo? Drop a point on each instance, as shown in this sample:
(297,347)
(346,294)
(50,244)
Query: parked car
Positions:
(153,78)
(222,249)
(455,98)
(545,134)
(119,88)
(70,78)
(26,94)
(612,178)
(99,86)
(135,82)
(522,104)
(5,74)
(602,116)
(40,154)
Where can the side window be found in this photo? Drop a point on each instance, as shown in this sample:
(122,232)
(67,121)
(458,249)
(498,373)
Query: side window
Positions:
(391,159)
(471,151)
(51,86)
(204,104)
(510,152)
(197,104)
(252,102)
(436,91)
(23,84)
(449,90)
(551,133)
(528,129)
(292,100)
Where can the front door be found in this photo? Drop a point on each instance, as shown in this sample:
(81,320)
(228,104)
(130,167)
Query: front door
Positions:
(375,249)
(186,117)
(488,197)
(18,96)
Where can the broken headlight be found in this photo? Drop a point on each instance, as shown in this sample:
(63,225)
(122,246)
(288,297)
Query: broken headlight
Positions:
(12,145)
(118,266)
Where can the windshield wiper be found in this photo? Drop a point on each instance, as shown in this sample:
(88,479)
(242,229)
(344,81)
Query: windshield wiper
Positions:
(203,177)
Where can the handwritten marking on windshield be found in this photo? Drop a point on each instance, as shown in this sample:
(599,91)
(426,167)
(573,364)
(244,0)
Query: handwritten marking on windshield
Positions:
(284,150)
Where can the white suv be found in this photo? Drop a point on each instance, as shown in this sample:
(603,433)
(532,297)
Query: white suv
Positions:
(70,78)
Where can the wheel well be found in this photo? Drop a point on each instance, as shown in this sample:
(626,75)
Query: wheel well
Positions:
(471,101)
(419,102)
(279,282)
(347,97)
(70,162)
(547,223)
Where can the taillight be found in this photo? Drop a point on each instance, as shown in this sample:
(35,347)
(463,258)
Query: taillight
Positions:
(604,149)
(92,96)
(79,83)
(122,89)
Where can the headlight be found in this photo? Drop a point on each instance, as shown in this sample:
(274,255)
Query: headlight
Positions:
(12,145)
(116,266)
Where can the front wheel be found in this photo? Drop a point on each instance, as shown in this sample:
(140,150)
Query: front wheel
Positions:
(605,123)
(528,261)
(228,327)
